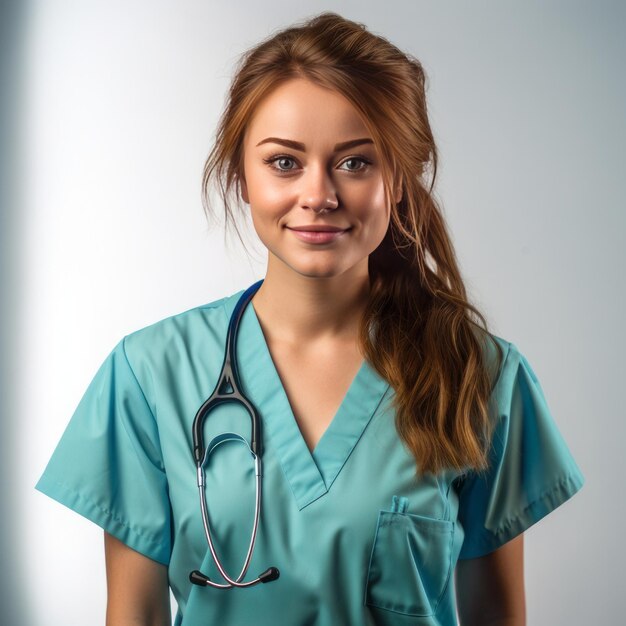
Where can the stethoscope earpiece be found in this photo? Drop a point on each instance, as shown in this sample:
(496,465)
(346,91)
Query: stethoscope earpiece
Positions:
(270,574)
(198,578)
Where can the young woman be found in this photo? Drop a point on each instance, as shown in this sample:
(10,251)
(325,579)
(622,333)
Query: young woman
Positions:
(401,448)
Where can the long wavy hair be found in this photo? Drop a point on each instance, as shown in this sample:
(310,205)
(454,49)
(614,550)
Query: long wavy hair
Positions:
(418,329)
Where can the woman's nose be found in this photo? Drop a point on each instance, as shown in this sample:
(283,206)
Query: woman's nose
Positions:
(318,190)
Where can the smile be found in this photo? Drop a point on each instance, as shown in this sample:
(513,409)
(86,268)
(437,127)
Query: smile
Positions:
(318,236)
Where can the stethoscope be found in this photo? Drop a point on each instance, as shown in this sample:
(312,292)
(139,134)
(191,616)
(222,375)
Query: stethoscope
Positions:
(229,378)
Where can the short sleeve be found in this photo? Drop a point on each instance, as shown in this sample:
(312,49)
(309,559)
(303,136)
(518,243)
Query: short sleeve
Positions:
(531,470)
(108,464)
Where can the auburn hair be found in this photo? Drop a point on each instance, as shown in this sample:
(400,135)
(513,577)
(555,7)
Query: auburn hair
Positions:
(418,329)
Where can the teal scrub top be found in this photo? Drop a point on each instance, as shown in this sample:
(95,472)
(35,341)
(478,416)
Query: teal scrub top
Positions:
(357,537)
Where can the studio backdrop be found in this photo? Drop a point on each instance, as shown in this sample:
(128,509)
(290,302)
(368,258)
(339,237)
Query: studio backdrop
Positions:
(107,121)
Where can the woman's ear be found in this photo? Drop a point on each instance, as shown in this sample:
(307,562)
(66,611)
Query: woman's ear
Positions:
(398,194)
(398,188)
(244,189)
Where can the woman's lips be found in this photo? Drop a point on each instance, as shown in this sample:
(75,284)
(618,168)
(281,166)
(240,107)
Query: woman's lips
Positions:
(318,236)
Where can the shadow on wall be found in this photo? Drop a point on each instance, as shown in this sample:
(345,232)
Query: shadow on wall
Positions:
(13,598)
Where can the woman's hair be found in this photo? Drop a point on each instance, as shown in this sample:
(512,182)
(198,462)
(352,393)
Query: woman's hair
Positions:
(418,330)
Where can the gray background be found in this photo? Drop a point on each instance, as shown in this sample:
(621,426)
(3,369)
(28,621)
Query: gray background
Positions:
(108,111)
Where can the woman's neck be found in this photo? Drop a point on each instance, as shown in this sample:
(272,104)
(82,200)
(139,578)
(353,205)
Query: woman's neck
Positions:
(296,309)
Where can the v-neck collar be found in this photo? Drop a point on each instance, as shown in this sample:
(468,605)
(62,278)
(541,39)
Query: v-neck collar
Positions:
(310,475)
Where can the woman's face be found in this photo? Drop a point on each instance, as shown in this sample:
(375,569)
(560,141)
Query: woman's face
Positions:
(296,173)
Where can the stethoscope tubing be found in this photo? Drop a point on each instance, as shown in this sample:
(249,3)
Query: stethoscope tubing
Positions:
(205,521)
(229,377)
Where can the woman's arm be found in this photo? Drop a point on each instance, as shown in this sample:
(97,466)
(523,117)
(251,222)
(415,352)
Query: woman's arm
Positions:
(490,588)
(137,587)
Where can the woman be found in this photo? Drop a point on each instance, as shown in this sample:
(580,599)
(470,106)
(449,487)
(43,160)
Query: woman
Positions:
(401,442)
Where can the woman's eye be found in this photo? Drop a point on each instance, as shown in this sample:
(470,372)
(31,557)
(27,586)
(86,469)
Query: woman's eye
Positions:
(364,163)
(280,160)
(283,163)
(280,163)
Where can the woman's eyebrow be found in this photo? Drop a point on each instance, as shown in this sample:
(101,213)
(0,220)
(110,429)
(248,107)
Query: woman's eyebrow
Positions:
(296,145)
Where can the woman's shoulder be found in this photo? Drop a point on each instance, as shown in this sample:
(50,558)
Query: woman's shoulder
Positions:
(495,353)
(207,322)
(504,361)
(508,366)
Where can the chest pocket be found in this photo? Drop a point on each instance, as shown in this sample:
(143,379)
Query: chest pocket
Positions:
(411,561)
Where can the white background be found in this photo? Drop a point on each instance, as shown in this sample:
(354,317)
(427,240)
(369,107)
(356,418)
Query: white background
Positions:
(107,118)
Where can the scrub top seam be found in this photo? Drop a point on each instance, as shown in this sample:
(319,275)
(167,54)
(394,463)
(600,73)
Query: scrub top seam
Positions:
(145,399)
(573,479)
(559,493)
(509,349)
(214,304)
(357,440)
(107,514)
